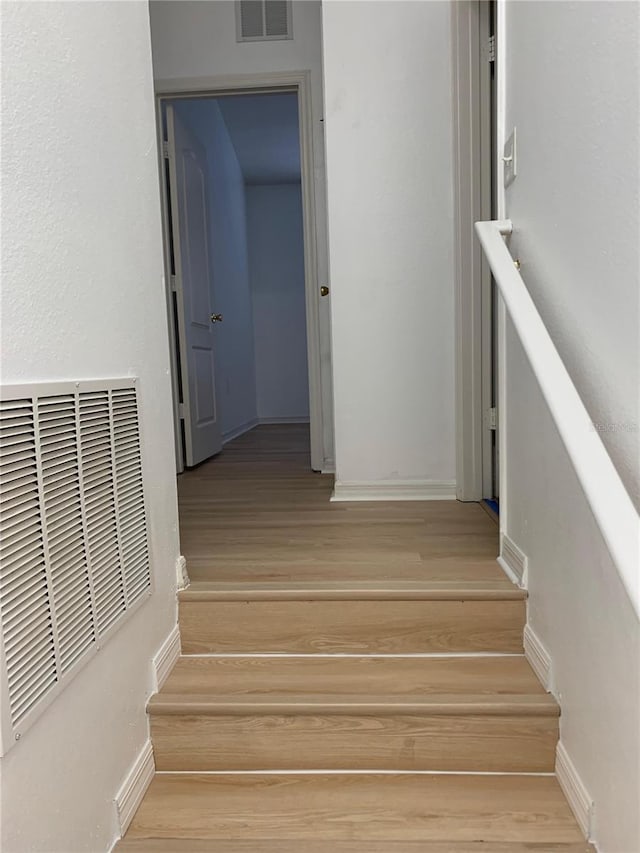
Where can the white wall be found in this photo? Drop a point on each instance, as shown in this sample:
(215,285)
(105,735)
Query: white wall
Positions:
(276,263)
(389,180)
(572,75)
(231,295)
(578,608)
(572,90)
(82,297)
(198,39)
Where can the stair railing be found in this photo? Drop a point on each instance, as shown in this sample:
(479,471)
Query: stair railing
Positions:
(613,510)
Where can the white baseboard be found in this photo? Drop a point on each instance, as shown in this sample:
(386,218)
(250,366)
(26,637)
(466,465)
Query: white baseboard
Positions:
(182,576)
(167,655)
(134,786)
(236,432)
(513,561)
(328,466)
(538,657)
(395,490)
(574,790)
(285,420)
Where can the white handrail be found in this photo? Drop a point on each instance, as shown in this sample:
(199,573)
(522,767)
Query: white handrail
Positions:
(606,494)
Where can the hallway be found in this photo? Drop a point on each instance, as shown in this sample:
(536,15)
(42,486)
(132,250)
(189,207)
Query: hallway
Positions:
(257,512)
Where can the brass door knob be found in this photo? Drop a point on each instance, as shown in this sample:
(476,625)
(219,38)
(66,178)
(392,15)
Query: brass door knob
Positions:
(324,290)
(216,318)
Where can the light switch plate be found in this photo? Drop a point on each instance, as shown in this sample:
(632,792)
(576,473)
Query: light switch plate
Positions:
(509,159)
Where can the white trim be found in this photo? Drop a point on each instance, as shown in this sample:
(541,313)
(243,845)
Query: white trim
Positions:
(302,419)
(484,181)
(333,655)
(506,568)
(182,576)
(501,102)
(395,490)
(502,414)
(465,26)
(300,82)
(236,432)
(134,787)
(500,72)
(473,179)
(355,772)
(169,299)
(228,84)
(574,790)
(166,656)
(513,561)
(329,467)
(538,657)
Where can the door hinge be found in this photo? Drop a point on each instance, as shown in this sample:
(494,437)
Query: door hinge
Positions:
(491,418)
(173,282)
(181,411)
(491,49)
(165,149)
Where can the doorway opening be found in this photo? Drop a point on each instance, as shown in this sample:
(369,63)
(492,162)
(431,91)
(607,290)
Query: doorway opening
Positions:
(242,295)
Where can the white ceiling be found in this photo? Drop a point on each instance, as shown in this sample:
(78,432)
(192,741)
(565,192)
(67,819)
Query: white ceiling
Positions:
(264,133)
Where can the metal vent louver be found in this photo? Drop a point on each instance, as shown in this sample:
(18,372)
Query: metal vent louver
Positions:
(74,555)
(263,20)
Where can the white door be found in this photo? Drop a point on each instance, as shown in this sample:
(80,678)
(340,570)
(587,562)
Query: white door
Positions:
(196,323)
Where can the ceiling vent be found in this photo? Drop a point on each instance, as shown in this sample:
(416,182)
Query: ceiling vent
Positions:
(263,20)
(74,557)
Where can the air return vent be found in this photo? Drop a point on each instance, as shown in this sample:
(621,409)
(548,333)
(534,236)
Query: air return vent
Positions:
(263,20)
(74,556)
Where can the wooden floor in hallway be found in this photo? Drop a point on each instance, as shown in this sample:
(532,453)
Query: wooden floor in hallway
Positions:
(258,512)
(351,677)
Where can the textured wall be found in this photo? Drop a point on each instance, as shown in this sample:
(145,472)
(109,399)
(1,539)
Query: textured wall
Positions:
(388,130)
(83,297)
(572,92)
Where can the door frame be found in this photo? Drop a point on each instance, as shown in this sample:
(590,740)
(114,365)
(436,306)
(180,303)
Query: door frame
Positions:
(474,168)
(243,84)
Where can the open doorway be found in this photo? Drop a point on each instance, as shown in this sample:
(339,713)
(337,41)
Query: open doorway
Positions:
(242,296)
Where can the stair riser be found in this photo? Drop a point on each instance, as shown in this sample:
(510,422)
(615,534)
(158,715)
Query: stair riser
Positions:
(523,744)
(363,627)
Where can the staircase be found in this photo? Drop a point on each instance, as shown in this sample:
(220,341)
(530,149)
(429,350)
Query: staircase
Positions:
(320,707)
(280,685)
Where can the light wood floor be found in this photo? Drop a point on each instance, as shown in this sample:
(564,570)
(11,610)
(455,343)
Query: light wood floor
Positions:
(393,807)
(351,679)
(257,512)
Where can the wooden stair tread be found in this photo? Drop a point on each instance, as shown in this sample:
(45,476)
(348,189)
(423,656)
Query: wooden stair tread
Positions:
(345,564)
(347,806)
(369,675)
(183,845)
(435,704)
(463,714)
(412,590)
